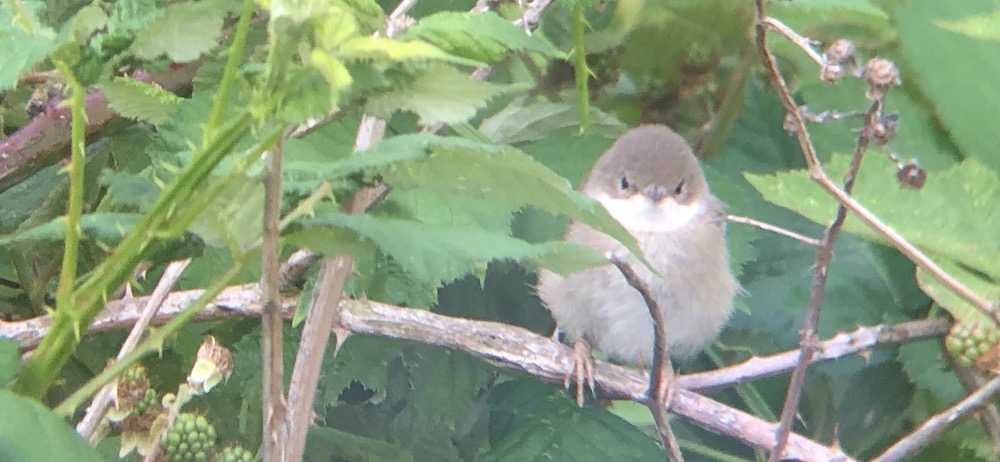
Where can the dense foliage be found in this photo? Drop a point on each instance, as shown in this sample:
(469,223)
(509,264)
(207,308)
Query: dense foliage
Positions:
(477,204)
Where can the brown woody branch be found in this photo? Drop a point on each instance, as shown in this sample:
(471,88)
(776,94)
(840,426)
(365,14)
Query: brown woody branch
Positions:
(42,141)
(519,349)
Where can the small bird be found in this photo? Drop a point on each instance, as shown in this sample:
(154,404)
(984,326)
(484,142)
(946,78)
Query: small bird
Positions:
(650,181)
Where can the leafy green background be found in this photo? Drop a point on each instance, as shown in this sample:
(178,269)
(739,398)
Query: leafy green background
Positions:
(476,209)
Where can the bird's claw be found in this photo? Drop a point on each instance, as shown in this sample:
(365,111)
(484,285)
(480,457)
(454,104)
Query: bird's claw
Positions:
(583,371)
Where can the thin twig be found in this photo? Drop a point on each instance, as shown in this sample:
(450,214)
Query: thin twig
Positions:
(938,424)
(802,42)
(272,364)
(861,341)
(99,405)
(817,174)
(323,314)
(661,380)
(824,252)
(773,228)
(323,309)
(817,291)
(971,380)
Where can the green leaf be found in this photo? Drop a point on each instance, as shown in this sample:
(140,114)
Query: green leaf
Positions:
(104,226)
(950,65)
(183,33)
(439,94)
(323,442)
(925,368)
(983,27)
(542,424)
(31,433)
(518,123)
(10,359)
(139,100)
(952,218)
(361,359)
(482,37)
(129,190)
(398,51)
(508,176)
(23,47)
(958,307)
(235,217)
(454,210)
(432,252)
(445,400)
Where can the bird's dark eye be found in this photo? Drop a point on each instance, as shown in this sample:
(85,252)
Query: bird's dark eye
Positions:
(679,189)
(624,183)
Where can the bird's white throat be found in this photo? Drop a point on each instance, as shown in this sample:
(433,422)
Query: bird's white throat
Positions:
(640,214)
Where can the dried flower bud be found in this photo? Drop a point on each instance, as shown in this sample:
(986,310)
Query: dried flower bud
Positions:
(214,364)
(911,176)
(880,75)
(831,72)
(883,129)
(840,52)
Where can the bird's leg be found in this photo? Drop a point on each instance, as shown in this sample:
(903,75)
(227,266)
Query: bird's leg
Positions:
(583,371)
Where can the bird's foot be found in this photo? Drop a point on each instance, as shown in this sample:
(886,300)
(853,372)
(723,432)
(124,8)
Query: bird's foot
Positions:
(583,371)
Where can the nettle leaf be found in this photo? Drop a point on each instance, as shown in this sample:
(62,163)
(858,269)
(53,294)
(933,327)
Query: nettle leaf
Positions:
(10,359)
(326,443)
(432,252)
(397,50)
(518,123)
(235,217)
(925,368)
(452,209)
(950,66)
(23,48)
(508,176)
(447,389)
(130,190)
(439,94)
(484,37)
(954,217)
(103,226)
(184,32)
(30,432)
(363,360)
(984,26)
(958,307)
(543,424)
(139,100)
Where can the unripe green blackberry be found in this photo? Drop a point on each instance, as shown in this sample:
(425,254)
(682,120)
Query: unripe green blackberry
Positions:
(967,341)
(234,454)
(149,402)
(130,388)
(190,439)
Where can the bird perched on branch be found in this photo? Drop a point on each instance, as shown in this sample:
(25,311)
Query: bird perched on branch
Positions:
(651,182)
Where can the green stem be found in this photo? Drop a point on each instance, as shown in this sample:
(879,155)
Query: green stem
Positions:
(201,203)
(229,73)
(57,346)
(152,343)
(580,66)
(74,209)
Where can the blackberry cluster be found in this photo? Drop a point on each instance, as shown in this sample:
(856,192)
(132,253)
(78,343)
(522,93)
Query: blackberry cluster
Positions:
(234,454)
(190,439)
(967,341)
